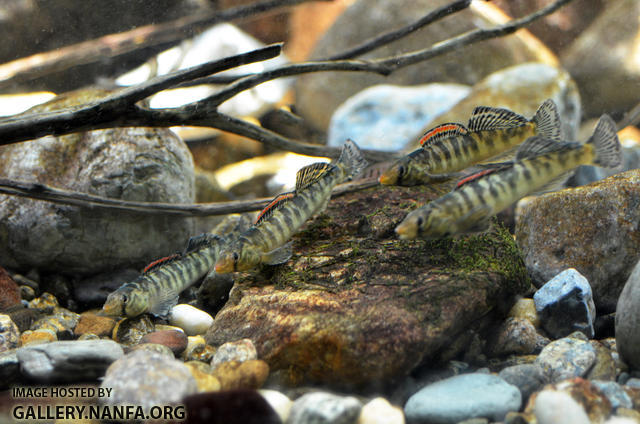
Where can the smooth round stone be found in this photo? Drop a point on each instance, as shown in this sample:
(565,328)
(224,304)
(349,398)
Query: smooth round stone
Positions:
(9,333)
(35,337)
(515,336)
(175,340)
(279,402)
(249,374)
(525,308)
(191,319)
(99,325)
(240,350)
(205,381)
(554,407)
(566,358)
(628,320)
(324,408)
(526,377)
(484,395)
(198,350)
(380,411)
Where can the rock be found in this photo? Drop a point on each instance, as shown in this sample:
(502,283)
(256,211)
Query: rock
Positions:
(565,304)
(386,117)
(590,228)
(525,308)
(9,291)
(154,348)
(43,335)
(628,320)
(318,95)
(566,358)
(129,331)
(350,276)
(528,378)
(514,336)
(553,407)
(240,350)
(250,374)
(25,317)
(522,89)
(485,396)
(173,339)
(604,367)
(143,164)
(380,411)
(147,379)
(62,322)
(198,350)
(279,402)
(192,320)
(615,393)
(68,361)
(602,60)
(9,333)
(321,408)
(205,381)
(9,369)
(99,325)
(92,292)
(228,407)
(46,303)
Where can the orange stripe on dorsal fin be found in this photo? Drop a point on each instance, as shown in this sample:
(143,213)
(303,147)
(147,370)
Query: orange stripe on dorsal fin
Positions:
(443,131)
(487,169)
(273,206)
(311,173)
(153,265)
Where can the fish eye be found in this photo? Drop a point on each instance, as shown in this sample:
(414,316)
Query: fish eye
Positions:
(401,170)
(125,298)
(419,221)
(235,256)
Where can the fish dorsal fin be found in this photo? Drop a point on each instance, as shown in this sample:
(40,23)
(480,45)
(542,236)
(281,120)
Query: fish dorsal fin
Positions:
(486,169)
(537,145)
(158,262)
(200,241)
(547,120)
(311,173)
(494,118)
(279,201)
(441,132)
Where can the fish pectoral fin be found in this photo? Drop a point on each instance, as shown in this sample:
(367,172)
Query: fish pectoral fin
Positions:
(476,220)
(278,256)
(494,118)
(166,300)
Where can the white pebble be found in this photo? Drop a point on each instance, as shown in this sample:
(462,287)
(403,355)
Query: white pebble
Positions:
(192,320)
(621,420)
(380,411)
(278,401)
(554,407)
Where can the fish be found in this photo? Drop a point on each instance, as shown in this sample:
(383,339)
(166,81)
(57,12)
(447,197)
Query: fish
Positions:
(265,242)
(157,289)
(452,147)
(541,164)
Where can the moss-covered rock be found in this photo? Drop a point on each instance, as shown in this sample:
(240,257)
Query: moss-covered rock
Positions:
(355,306)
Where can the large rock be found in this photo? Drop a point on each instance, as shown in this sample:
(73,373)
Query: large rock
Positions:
(142,164)
(319,94)
(592,228)
(357,307)
(628,320)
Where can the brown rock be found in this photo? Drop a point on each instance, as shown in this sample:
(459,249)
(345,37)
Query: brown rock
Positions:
(604,368)
(173,339)
(514,336)
(37,337)
(525,308)
(249,374)
(9,291)
(355,305)
(201,372)
(89,322)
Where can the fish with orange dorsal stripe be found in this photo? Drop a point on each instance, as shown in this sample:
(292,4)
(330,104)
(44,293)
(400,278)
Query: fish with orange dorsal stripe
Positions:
(452,147)
(266,241)
(540,165)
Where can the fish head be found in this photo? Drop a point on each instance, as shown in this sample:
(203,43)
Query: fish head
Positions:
(426,223)
(129,302)
(238,257)
(395,173)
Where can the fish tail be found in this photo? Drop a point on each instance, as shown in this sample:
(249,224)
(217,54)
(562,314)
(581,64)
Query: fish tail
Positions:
(351,159)
(547,120)
(606,144)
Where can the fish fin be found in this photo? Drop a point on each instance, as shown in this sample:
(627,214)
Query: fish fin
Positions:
(477,219)
(161,305)
(441,132)
(202,240)
(547,120)
(279,201)
(310,174)
(537,145)
(494,118)
(351,160)
(158,262)
(279,255)
(555,184)
(606,144)
(481,172)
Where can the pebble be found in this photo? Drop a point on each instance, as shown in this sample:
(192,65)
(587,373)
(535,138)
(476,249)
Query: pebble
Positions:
(191,319)
(230,407)
(68,361)
(147,379)
(9,333)
(25,317)
(515,336)
(525,308)
(615,393)
(240,350)
(129,331)
(205,381)
(249,374)
(198,350)
(324,408)
(153,347)
(62,322)
(565,304)
(43,335)
(175,340)
(628,320)
(279,402)
(604,367)
(99,325)
(46,303)
(485,395)
(555,407)
(566,358)
(380,411)
(526,377)
(27,293)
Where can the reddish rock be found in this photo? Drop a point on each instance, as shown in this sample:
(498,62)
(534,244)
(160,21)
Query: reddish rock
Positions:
(9,291)
(89,322)
(173,339)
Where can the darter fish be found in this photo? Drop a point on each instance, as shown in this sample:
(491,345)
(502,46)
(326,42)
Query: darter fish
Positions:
(452,147)
(264,242)
(541,164)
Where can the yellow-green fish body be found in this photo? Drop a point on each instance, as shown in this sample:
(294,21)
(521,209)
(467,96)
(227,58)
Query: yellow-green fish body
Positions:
(265,242)
(452,147)
(541,164)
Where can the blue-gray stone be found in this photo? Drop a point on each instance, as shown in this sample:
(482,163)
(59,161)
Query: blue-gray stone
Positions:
(463,397)
(528,378)
(387,117)
(565,304)
(615,393)
(566,358)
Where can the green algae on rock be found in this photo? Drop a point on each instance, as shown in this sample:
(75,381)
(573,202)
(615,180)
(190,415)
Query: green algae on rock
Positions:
(357,307)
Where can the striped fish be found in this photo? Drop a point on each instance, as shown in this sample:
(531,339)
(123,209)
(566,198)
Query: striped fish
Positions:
(156,290)
(540,165)
(452,147)
(266,241)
